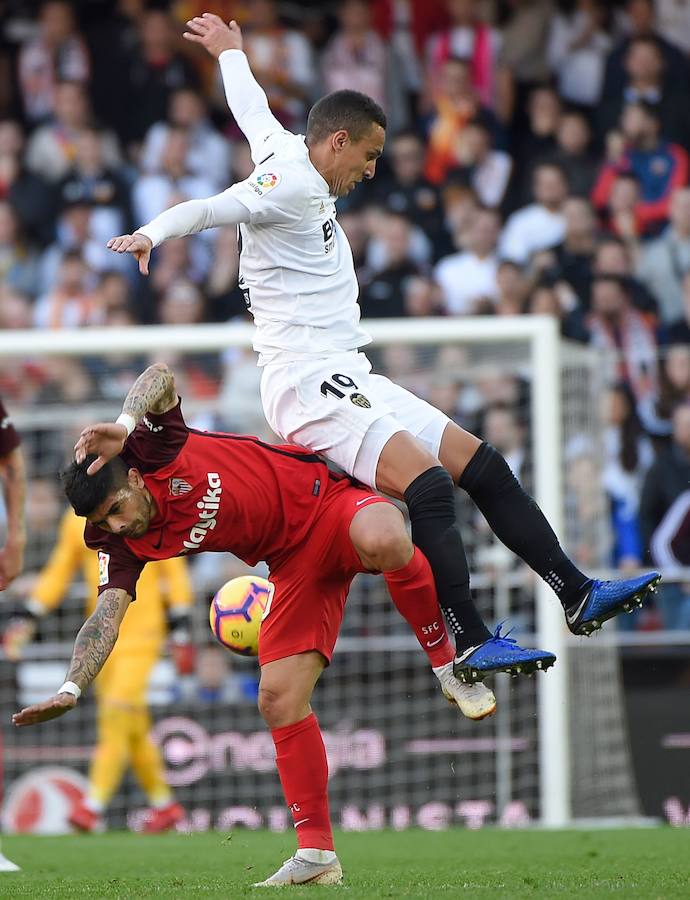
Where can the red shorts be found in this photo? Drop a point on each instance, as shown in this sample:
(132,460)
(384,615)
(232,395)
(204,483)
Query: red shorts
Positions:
(312,583)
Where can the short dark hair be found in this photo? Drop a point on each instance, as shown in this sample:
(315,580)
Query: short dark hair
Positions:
(87,492)
(345,110)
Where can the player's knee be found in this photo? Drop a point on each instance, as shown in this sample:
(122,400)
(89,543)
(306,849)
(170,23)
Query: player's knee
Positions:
(279,706)
(387,547)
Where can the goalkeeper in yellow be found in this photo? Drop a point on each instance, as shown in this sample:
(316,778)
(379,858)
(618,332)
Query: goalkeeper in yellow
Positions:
(124,721)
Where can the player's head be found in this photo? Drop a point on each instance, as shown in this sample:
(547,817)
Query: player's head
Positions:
(115,498)
(346,131)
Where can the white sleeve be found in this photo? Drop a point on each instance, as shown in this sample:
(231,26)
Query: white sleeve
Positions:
(273,196)
(247,101)
(194,216)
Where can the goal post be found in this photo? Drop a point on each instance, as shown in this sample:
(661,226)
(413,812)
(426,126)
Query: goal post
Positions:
(543,359)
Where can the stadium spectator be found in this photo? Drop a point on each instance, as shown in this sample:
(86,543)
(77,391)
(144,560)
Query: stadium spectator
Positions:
(208,154)
(92,180)
(678,332)
(57,53)
(625,337)
(646,83)
(665,517)
(214,681)
(18,262)
(69,303)
(486,169)
(664,262)
(282,61)
(77,232)
(523,52)
(503,429)
(571,260)
(455,102)
(358,59)
(573,152)
(512,289)
(173,182)
(468,38)
(674,389)
(614,256)
(628,455)
(30,195)
(534,141)
(541,224)
(154,69)
(659,166)
(673,23)
(52,148)
(384,294)
(556,300)
(404,189)
(642,27)
(469,277)
(579,42)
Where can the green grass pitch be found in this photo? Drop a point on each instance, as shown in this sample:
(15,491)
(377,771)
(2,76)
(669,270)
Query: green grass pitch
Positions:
(653,864)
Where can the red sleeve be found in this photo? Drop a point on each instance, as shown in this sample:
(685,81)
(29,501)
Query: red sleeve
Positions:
(9,439)
(648,213)
(156,440)
(118,567)
(602,189)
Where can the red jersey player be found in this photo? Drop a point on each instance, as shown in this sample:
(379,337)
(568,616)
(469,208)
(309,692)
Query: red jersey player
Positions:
(152,488)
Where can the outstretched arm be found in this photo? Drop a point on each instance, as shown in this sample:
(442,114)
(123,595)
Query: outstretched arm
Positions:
(247,101)
(92,647)
(185,218)
(153,391)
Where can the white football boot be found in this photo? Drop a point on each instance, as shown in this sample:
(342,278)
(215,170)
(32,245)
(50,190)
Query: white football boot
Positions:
(476,701)
(298,870)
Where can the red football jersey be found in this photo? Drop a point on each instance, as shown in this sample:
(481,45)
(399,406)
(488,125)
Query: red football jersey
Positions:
(213,491)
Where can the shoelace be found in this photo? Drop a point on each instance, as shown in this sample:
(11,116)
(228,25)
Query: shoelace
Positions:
(503,638)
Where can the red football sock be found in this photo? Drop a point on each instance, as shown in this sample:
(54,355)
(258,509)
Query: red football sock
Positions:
(303,770)
(413,590)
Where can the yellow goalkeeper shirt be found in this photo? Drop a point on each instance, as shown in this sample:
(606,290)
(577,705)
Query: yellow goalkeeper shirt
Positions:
(162,584)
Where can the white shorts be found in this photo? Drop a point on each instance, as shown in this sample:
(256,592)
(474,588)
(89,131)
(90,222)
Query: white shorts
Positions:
(335,406)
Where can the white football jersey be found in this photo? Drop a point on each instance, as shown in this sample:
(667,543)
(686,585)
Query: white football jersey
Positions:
(296,264)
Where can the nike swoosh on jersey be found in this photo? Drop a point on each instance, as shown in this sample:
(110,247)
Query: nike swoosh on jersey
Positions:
(364,500)
(301,821)
(571,617)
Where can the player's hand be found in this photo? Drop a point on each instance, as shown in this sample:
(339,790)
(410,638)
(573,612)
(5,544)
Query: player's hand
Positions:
(184,657)
(212,33)
(17,635)
(11,563)
(106,440)
(44,712)
(137,244)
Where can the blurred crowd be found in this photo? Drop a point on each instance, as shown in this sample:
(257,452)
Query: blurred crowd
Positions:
(536,162)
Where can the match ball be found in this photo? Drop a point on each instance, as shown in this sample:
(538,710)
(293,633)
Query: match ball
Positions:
(237,611)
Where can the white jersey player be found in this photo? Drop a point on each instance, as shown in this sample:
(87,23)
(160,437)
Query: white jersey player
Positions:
(317,387)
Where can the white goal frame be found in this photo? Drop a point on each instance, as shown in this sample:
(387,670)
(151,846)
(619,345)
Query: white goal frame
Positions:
(541,334)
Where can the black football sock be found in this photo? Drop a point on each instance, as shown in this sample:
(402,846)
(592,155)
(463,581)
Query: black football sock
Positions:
(517,521)
(431,503)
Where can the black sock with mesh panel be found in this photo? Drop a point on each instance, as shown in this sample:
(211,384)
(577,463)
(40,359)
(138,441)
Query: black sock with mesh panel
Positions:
(518,522)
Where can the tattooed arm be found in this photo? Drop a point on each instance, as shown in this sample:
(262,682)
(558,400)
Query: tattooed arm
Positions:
(153,391)
(13,478)
(92,647)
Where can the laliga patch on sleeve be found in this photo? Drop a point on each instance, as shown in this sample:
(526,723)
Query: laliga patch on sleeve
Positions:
(262,184)
(103,564)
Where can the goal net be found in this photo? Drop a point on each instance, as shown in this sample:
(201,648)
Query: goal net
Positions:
(399,755)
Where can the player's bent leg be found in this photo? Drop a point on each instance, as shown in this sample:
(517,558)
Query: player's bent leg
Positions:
(380,539)
(519,523)
(285,690)
(406,468)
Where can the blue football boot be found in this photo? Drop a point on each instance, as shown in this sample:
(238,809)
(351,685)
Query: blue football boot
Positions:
(499,653)
(606,599)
